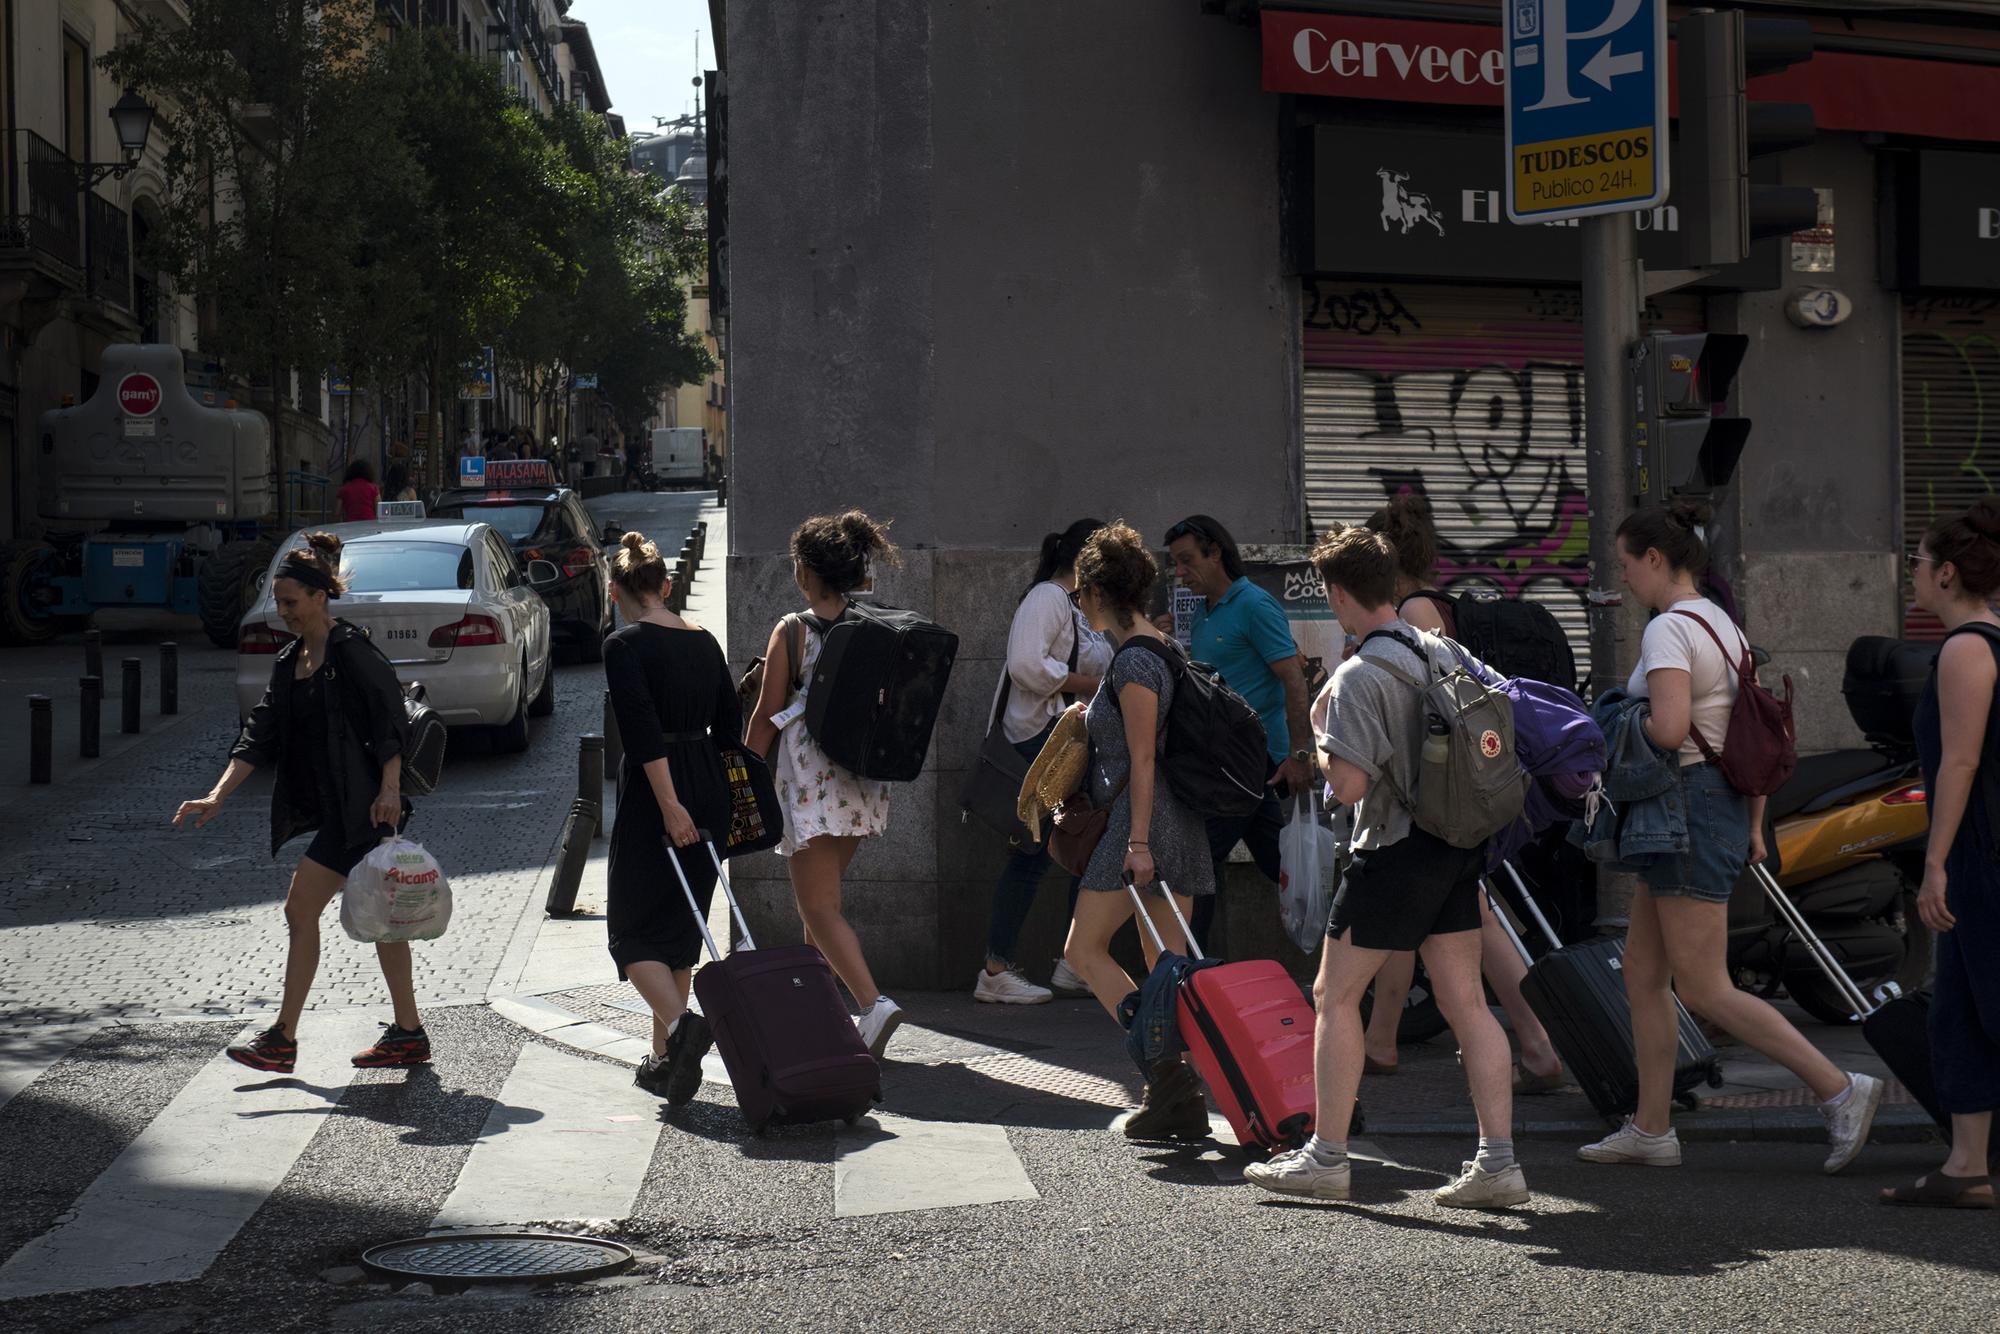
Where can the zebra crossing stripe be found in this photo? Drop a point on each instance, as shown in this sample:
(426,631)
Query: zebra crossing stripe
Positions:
(167,1206)
(569,1139)
(24,1056)
(890,1165)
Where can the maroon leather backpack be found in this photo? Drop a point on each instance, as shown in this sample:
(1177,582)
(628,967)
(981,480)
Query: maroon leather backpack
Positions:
(1760,749)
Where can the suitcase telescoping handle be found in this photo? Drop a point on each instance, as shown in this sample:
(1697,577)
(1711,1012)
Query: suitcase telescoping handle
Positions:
(721,878)
(1534,909)
(1506,922)
(1146,920)
(1829,965)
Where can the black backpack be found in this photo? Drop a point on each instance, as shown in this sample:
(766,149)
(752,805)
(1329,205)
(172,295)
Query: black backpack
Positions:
(876,689)
(1513,636)
(1215,761)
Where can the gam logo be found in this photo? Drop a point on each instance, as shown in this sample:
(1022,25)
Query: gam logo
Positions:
(138,395)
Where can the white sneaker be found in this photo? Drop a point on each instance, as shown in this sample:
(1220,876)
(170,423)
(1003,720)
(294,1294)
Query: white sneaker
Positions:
(1847,1126)
(1628,1144)
(876,1026)
(1009,988)
(1477,1188)
(1066,982)
(1299,1173)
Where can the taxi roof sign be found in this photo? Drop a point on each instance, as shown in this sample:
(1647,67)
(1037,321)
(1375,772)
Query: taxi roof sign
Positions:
(520,472)
(395,511)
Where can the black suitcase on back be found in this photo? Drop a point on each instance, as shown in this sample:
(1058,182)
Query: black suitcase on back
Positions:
(876,690)
(1578,992)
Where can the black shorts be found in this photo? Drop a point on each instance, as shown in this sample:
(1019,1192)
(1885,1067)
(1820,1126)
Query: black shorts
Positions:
(1395,898)
(329,848)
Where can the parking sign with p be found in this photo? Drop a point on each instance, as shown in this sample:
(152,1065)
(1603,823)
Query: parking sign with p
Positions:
(1586,107)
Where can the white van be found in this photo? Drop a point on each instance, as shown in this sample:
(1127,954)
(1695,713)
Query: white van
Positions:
(679,458)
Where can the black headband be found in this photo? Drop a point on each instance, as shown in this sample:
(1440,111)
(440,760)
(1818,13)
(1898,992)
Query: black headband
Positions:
(310,575)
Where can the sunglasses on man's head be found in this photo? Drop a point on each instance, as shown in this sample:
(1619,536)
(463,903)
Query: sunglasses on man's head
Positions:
(1188,528)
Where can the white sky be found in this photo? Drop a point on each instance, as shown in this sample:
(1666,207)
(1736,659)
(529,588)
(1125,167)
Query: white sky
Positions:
(647,51)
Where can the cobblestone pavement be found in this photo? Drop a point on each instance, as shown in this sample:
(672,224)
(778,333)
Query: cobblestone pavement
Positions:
(107,912)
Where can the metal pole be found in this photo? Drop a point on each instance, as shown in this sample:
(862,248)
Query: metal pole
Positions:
(41,740)
(170,677)
(129,714)
(1612,292)
(93,653)
(590,776)
(614,745)
(90,721)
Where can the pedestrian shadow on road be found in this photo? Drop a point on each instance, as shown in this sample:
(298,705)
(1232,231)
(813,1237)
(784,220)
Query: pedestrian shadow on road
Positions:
(430,1114)
(722,1123)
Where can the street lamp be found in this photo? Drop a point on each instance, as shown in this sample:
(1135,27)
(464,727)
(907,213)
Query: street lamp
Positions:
(132,116)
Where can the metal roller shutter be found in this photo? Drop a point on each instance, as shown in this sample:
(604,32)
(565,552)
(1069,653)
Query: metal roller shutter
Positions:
(1951,418)
(1474,396)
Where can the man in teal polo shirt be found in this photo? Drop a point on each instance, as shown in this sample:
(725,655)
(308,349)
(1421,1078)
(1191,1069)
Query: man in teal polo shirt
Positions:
(1241,631)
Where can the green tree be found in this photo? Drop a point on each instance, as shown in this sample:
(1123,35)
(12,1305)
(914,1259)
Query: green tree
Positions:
(260,147)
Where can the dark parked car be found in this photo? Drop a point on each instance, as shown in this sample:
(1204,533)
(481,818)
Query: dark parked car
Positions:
(548,523)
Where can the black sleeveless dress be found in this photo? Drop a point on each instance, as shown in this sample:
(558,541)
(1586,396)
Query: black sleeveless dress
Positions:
(673,698)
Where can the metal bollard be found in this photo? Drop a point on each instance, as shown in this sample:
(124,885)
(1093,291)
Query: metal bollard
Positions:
(687,556)
(170,677)
(571,860)
(93,653)
(590,776)
(41,740)
(614,745)
(129,722)
(701,539)
(90,722)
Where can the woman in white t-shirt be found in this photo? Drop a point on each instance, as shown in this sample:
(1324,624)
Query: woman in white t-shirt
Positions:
(1053,657)
(1678,939)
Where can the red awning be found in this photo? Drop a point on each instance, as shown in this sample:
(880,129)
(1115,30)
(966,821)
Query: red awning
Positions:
(1333,55)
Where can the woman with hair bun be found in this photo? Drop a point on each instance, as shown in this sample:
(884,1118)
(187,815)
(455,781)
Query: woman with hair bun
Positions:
(1956,570)
(676,707)
(1051,655)
(1678,939)
(828,810)
(1150,836)
(1406,522)
(332,724)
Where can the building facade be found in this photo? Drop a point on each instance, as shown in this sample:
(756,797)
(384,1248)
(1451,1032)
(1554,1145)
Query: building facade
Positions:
(1252,261)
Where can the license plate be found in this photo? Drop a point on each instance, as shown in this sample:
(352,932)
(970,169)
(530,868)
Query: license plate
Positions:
(399,634)
(128,558)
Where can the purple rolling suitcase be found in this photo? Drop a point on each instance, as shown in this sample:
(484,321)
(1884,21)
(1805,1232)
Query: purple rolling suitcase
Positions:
(792,1051)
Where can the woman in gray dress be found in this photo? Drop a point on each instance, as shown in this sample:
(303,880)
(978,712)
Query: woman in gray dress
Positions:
(1151,836)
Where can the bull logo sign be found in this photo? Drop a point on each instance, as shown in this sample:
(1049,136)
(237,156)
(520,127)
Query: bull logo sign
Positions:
(1399,205)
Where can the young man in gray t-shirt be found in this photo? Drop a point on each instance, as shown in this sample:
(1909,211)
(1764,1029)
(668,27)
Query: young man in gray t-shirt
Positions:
(1405,889)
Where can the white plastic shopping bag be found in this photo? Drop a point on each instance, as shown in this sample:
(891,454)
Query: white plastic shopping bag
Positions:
(397,892)
(1307,853)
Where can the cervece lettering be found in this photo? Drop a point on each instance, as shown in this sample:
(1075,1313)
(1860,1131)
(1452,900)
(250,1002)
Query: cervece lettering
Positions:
(1316,53)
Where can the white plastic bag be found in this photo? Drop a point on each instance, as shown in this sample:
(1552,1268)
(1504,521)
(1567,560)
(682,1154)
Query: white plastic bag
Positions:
(1307,852)
(397,892)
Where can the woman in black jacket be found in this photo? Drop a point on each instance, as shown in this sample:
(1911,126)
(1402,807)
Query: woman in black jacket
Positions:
(333,725)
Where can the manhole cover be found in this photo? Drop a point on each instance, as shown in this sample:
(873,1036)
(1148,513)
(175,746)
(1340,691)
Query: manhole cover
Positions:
(170,923)
(498,1257)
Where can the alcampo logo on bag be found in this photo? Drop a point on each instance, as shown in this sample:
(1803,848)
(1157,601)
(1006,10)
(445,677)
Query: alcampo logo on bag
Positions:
(397,875)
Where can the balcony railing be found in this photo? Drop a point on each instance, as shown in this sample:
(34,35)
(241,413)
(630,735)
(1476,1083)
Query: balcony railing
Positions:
(44,200)
(110,236)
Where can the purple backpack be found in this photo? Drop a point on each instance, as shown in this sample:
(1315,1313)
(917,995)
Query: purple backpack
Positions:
(1561,747)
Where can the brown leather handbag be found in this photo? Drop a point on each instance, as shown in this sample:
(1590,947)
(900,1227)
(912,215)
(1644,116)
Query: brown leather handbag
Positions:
(1079,827)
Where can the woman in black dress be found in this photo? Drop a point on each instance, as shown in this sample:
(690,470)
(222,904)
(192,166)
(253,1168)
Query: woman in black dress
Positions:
(676,705)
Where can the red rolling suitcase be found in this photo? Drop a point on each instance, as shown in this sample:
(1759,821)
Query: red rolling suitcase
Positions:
(792,1051)
(1249,1030)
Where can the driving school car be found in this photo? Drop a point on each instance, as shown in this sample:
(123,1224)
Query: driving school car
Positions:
(448,604)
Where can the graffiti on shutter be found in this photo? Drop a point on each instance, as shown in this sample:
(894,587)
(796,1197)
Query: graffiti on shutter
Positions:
(1951,418)
(1474,397)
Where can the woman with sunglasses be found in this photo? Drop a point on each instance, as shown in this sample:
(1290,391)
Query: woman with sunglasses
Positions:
(1956,573)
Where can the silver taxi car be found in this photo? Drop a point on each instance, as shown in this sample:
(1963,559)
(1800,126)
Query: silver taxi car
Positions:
(449,604)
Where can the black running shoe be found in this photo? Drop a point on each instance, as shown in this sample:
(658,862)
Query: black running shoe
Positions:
(396,1046)
(269,1050)
(652,1075)
(690,1042)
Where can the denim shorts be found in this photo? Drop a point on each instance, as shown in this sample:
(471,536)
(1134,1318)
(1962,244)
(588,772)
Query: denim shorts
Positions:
(1718,818)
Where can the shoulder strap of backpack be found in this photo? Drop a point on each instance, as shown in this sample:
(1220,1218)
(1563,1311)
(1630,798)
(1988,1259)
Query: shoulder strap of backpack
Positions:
(1175,662)
(795,649)
(1746,677)
(1412,645)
